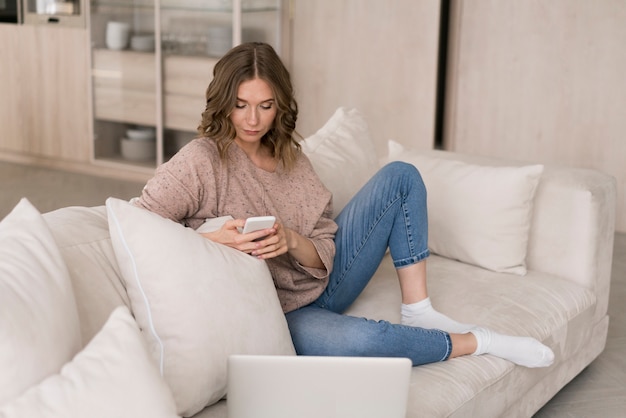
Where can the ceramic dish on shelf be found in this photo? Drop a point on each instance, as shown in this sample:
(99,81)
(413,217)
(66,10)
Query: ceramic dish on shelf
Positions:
(141,134)
(134,150)
(142,42)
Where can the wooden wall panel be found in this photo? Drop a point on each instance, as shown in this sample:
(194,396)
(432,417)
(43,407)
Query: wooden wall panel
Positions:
(44,99)
(10,91)
(542,81)
(377,56)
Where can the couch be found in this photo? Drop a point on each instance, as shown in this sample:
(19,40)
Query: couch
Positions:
(113,311)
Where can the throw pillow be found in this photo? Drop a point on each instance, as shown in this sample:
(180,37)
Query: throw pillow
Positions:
(39,325)
(343,155)
(478,214)
(113,376)
(196,302)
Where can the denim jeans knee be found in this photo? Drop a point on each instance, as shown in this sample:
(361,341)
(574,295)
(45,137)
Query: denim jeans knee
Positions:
(388,212)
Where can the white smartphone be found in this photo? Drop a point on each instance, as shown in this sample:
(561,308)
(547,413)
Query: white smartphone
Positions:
(258,222)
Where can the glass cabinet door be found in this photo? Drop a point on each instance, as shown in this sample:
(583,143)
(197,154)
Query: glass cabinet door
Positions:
(125,80)
(152,61)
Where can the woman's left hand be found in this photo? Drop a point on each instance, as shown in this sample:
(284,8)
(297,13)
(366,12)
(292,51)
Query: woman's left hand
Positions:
(272,245)
(287,240)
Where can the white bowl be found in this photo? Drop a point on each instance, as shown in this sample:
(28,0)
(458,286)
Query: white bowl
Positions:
(143,43)
(138,150)
(141,134)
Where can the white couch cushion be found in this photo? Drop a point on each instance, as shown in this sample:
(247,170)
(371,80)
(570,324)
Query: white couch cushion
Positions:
(39,325)
(342,154)
(196,301)
(478,214)
(114,376)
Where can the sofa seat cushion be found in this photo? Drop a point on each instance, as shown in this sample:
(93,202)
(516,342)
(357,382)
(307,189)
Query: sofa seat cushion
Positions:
(533,305)
(551,309)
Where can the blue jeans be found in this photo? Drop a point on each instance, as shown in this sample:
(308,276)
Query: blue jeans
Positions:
(388,212)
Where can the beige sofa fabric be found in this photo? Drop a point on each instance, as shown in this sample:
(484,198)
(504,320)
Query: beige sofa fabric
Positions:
(82,235)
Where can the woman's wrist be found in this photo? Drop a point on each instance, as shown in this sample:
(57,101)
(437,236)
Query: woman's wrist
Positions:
(292,238)
(302,249)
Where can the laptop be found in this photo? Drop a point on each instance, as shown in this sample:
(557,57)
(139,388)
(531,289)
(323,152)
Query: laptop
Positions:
(310,386)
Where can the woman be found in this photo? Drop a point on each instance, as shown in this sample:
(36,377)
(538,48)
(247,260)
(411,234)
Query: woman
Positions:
(246,163)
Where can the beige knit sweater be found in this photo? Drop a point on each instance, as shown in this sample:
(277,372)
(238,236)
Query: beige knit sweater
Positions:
(196,184)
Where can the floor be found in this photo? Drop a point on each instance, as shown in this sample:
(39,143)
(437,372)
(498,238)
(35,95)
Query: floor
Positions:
(599,391)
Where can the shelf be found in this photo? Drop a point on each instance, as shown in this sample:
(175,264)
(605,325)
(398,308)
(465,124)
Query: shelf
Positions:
(121,4)
(139,166)
(208,6)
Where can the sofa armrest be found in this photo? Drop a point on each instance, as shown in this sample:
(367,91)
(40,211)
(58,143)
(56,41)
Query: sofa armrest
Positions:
(573,228)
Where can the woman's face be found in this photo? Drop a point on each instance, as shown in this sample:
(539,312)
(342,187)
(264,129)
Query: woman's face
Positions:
(254,112)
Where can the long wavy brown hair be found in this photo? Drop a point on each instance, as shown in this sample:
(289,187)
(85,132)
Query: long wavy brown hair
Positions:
(243,63)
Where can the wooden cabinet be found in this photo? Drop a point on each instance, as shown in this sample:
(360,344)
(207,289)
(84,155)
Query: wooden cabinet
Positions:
(44,108)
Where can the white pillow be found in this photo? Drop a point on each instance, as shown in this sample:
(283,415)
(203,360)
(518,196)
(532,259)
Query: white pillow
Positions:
(196,302)
(343,155)
(478,214)
(39,325)
(113,376)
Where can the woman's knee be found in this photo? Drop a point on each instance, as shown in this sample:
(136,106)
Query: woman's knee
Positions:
(404,172)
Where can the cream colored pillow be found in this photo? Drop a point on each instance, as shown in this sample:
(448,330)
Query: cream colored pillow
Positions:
(343,155)
(478,214)
(113,376)
(39,325)
(196,302)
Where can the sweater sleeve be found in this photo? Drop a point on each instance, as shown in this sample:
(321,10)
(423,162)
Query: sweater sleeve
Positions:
(178,187)
(323,240)
(323,234)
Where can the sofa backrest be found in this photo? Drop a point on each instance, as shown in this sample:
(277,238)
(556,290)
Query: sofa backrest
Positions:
(82,235)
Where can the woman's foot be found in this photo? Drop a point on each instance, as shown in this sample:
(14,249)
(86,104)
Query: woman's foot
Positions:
(524,351)
(423,315)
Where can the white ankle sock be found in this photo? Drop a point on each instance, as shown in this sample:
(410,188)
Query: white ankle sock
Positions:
(524,351)
(422,314)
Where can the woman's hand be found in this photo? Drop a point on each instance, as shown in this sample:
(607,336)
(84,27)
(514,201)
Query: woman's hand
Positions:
(230,236)
(267,243)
